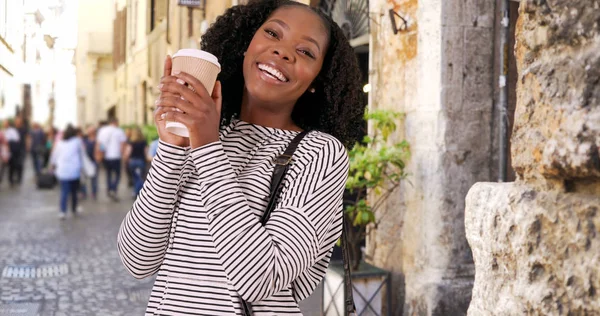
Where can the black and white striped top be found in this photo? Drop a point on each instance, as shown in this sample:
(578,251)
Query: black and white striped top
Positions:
(197,223)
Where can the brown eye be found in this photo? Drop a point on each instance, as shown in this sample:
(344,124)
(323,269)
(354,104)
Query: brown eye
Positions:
(271,33)
(307,53)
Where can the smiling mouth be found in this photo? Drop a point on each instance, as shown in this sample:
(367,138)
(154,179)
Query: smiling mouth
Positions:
(272,72)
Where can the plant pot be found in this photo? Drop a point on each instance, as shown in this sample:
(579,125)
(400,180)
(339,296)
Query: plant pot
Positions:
(368,284)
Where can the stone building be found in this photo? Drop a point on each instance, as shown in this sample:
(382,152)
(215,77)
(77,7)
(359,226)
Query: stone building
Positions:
(94,60)
(438,69)
(535,241)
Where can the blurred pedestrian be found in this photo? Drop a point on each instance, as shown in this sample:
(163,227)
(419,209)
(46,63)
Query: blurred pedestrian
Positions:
(128,131)
(24,145)
(135,158)
(67,163)
(50,135)
(89,142)
(152,150)
(37,147)
(14,145)
(111,143)
(4,151)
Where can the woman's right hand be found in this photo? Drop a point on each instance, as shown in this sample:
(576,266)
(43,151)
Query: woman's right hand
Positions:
(163,134)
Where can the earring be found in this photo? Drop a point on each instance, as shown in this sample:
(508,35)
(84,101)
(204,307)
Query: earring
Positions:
(244,53)
(312,90)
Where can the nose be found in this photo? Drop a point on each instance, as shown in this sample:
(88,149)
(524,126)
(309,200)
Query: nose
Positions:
(284,54)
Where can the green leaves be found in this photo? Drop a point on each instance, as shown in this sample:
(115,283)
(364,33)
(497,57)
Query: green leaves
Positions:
(376,165)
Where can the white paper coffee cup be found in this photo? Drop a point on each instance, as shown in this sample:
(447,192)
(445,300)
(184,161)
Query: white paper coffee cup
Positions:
(204,66)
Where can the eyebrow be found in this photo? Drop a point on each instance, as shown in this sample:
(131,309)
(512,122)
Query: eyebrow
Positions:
(287,27)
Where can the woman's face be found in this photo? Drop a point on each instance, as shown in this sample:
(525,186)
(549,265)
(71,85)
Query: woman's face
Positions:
(285,56)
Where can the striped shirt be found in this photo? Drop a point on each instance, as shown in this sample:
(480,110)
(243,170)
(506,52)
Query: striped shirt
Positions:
(197,223)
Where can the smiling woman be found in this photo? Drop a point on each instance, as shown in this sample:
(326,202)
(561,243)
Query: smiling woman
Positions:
(330,99)
(289,79)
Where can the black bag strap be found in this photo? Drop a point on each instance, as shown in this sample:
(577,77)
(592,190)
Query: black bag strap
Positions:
(349,307)
(282,164)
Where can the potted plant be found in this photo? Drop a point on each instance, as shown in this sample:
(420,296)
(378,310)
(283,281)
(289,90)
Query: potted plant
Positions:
(377,167)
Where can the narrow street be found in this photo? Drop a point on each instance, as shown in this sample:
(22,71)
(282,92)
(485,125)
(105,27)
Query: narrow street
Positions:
(66,267)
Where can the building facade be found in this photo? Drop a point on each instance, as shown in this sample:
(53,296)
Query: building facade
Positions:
(94,61)
(11,57)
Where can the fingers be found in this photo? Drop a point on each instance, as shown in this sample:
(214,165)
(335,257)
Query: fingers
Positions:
(182,118)
(160,112)
(175,102)
(177,87)
(217,97)
(194,83)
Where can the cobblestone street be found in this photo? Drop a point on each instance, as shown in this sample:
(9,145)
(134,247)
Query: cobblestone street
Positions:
(68,267)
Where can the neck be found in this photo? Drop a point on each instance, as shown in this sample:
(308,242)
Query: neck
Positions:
(269,115)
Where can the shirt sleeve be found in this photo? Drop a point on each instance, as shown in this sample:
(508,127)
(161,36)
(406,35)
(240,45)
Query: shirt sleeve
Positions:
(122,136)
(144,233)
(261,261)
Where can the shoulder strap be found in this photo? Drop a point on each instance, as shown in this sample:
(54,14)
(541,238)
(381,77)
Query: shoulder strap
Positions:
(349,307)
(282,164)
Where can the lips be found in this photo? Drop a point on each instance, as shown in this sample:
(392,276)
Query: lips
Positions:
(273,72)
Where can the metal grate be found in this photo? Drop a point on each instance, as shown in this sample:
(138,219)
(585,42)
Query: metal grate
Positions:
(32,272)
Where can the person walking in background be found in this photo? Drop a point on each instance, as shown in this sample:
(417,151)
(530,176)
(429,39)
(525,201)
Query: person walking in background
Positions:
(89,142)
(67,162)
(37,147)
(4,151)
(50,135)
(111,143)
(128,131)
(14,144)
(24,145)
(99,151)
(152,150)
(135,158)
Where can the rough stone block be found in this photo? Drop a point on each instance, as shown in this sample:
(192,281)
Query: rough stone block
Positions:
(453,55)
(478,55)
(535,252)
(478,13)
(453,12)
(452,98)
(557,122)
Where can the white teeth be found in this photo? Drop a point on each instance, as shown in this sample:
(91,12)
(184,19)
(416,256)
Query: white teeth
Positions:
(273,72)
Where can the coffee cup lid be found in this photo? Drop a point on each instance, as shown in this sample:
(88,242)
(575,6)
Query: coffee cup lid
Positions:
(191,52)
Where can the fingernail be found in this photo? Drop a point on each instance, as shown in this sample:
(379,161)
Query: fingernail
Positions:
(157,102)
(176,72)
(160,86)
(162,116)
(179,81)
(182,98)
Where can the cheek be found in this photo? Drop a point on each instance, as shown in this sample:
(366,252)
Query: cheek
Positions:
(307,74)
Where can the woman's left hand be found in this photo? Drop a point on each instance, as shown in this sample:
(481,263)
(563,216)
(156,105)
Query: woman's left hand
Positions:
(200,112)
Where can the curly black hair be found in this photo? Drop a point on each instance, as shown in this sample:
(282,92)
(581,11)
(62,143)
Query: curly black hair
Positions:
(335,108)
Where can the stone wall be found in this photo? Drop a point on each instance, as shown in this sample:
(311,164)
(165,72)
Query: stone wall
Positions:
(439,73)
(535,242)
